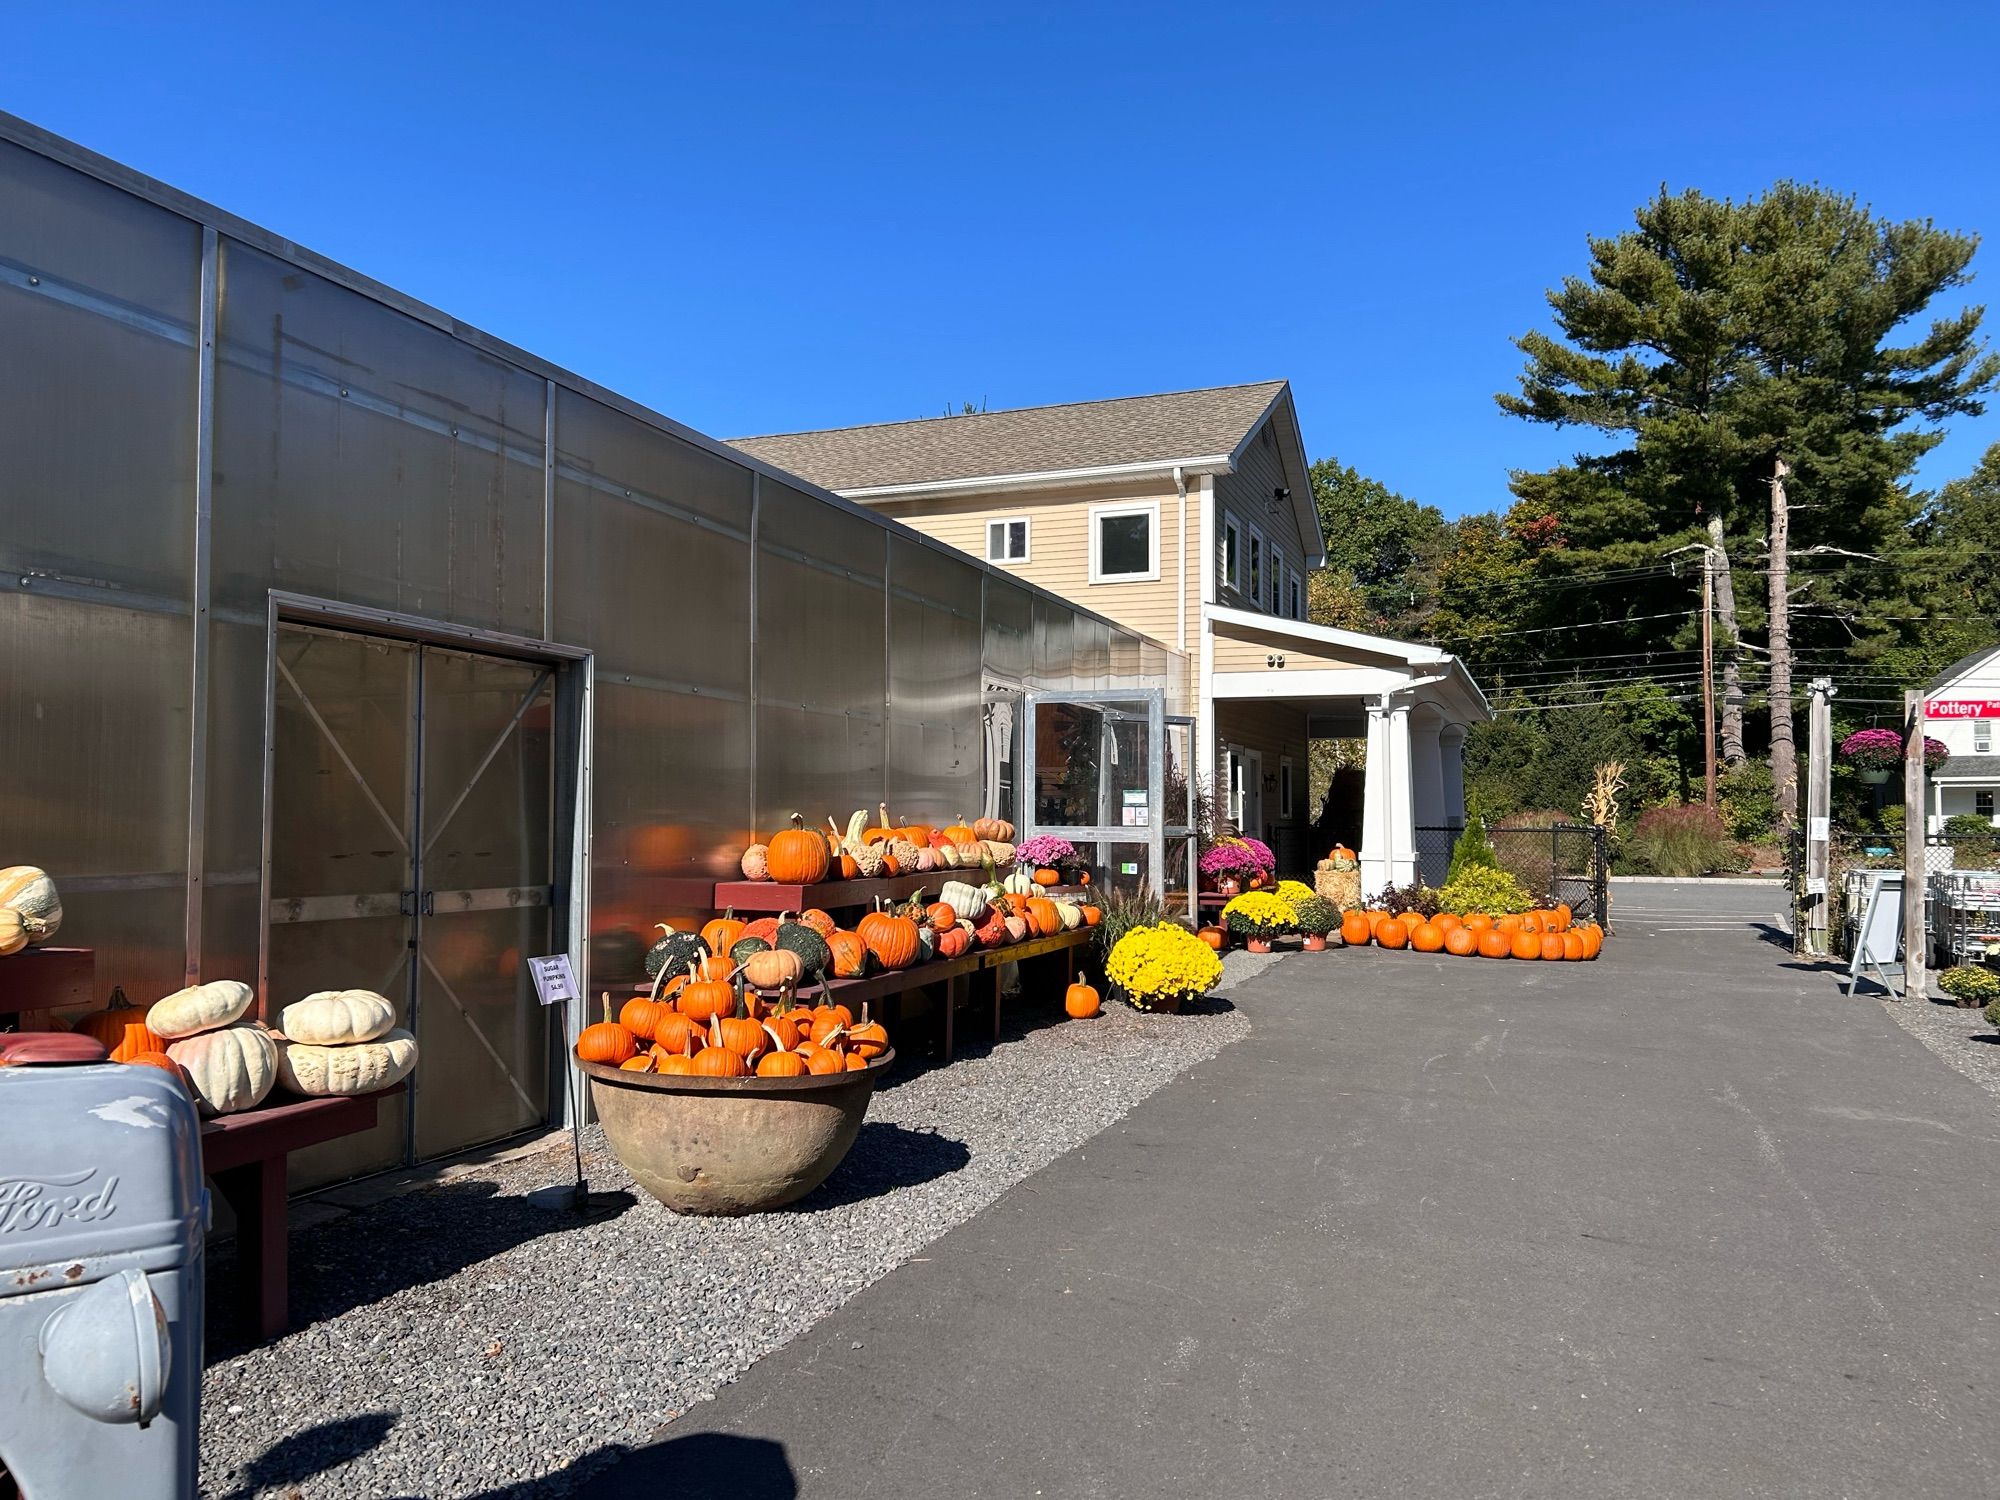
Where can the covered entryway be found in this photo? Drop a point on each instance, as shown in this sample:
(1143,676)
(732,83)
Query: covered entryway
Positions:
(1278,685)
(412,850)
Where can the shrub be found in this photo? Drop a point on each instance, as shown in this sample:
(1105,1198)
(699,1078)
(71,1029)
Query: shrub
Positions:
(1484,889)
(1399,900)
(1971,986)
(1967,826)
(1890,818)
(1124,911)
(1680,841)
(1993,1014)
(1749,802)
(1473,850)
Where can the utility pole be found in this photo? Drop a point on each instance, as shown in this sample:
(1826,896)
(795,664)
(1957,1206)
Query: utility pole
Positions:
(1708,673)
(1784,742)
(1819,816)
(1914,954)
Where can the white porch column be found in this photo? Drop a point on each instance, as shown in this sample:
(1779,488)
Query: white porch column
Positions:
(1451,756)
(1387,843)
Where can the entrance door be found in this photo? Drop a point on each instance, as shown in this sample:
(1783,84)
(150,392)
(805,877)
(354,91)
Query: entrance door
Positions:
(411,852)
(1246,791)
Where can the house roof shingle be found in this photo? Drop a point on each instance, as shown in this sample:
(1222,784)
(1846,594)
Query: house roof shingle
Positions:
(1027,440)
(1969,768)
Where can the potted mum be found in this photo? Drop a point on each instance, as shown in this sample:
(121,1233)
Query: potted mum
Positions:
(1053,860)
(1257,917)
(1316,918)
(1233,864)
(1161,967)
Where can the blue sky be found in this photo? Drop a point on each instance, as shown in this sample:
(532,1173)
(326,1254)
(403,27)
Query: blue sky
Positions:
(757,218)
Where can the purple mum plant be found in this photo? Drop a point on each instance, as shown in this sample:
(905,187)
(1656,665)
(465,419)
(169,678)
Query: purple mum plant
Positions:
(1238,857)
(1046,849)
(1882,749)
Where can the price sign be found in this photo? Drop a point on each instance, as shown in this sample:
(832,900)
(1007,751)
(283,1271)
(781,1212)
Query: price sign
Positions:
(555,980)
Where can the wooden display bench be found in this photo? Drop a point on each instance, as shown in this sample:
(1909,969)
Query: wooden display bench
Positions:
(37,982)
(245,1155)
(768,896)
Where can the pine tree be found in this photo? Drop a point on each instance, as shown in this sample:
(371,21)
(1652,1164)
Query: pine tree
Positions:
(1473,849)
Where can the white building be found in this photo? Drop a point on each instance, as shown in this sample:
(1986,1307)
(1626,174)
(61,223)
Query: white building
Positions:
(1962,709)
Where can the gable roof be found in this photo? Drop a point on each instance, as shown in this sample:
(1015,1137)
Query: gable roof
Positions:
(1963,667)
(1195,429)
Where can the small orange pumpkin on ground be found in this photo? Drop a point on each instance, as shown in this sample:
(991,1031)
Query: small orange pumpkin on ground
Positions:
(1215,937)
(1478,921)
(1446,920)
(1494,943)
(1572,942)
(1428,937)
(1391,933)
(1525,944)
(1552,945)
(1461,941)
(1081,1000)
(1354,929)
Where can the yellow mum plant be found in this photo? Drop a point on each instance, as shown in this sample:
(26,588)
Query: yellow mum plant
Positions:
(1154,967)
(1259,914)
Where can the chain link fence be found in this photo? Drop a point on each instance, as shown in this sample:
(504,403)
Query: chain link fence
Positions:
(1568,862)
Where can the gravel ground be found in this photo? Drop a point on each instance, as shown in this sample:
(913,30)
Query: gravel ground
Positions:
(468,1339)
(1963,1038)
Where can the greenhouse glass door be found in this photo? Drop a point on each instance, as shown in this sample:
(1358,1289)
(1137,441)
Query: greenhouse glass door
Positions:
(1095,769)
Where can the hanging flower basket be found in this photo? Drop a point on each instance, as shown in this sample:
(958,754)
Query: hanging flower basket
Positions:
(1877,754)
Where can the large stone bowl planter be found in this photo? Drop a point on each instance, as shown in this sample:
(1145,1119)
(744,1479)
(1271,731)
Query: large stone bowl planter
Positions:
(731,1145)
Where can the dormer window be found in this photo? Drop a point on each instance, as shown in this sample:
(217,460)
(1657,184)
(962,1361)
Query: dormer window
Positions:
(1007,540)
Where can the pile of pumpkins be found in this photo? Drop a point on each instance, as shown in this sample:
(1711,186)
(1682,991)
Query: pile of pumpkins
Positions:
(865,849)
(774,953)
(331,1044)
(1548,934)
(708,1027)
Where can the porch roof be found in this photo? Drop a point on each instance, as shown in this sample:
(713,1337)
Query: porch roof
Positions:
(1340,666)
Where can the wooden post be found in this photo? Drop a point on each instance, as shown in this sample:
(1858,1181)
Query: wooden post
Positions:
(1784,745)
(1708,672)
(1816,900)
(1914,829)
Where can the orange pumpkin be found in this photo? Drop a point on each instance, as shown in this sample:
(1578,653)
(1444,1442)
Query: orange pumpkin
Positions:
(1572,945)
(764,929)
(780,1064)
(892,939)
(1446,920)
(1461,941)
(941,916)
(1216,937)
(122,1027)
(702,1000)
(1509,924)
(739,1034)
(953,943)
(721,933)
(1354,930)
(1563,915)
(1493,943)
(960,833)
(641,1015)
(1531,922)
(158,1060)
(818,921)
(638,1063)
(1478,921)
(1081,1000)
(1427,938)
(1045,916)
(1391,933)
(797,856)
(1092,915)
(720,1062)
(867,1039)
(606,1042)
(823,1060)
(1552,945)
(1047,877)
(850,954)
(1525,944)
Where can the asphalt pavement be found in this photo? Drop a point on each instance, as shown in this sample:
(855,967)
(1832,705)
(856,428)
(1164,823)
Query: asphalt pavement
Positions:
(1682,1222)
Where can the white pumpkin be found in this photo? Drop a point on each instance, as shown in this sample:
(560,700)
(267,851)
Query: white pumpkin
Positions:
(1071,914)
(25,889)
(360,1068)
(1019,882)
(229,1069)
(337,1018)
(199,1008)
(969,901)
(947,856)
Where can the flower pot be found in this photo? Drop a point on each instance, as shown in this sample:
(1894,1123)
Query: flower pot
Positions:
(1315,942)
(1258,944)
(1229,885)
(1874,775)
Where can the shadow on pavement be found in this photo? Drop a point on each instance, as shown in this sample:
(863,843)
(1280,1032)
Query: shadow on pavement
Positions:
(283,1465)
(885,1157)
(700,1466)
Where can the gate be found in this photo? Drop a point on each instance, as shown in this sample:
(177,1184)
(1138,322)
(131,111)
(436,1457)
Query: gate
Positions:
(1566,863)
(411,850)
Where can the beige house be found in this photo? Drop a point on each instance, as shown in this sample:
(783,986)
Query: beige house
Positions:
(1190,517)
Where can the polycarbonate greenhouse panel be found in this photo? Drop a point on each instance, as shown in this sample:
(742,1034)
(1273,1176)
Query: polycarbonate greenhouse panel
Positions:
(1009,630)
(363,456)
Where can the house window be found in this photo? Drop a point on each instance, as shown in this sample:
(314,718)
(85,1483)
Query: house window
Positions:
(1256,569)
(1292,599)
(1982,804)
(1124,543)
(1284,786)
(1007,541)
(1982,736)
(1277,582)
(1232,554)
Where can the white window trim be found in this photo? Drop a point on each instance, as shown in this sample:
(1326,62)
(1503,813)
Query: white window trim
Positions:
(1295,601)
(1027,540)
(1284,786)
(1102,513)
(1234,578)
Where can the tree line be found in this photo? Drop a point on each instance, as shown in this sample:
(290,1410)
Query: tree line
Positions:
(1754,384)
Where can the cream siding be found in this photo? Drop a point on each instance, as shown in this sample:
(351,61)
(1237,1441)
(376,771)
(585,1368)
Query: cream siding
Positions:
(1249,495)
(1233,654)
